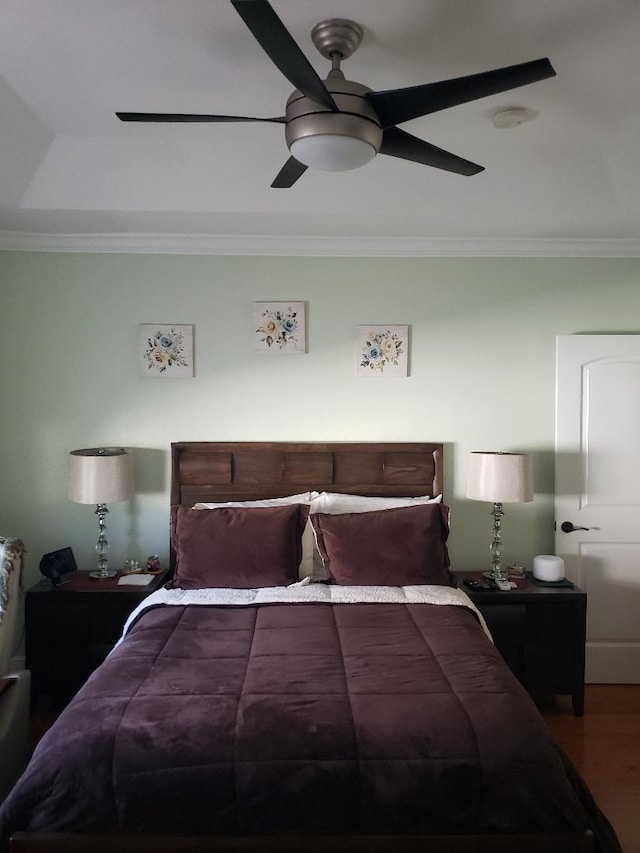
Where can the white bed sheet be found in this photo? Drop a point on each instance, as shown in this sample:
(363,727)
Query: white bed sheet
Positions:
(305,592)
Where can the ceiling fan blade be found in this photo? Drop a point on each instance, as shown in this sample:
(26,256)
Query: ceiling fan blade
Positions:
(398,105)
(397,143)
(289,174)
(282,50)
(190,117)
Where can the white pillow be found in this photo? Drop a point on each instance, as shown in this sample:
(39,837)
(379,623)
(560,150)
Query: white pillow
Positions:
(304,498)
(308,541)
(334,503)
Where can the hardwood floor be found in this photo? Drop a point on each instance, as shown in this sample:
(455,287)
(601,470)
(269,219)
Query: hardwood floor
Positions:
(604,745)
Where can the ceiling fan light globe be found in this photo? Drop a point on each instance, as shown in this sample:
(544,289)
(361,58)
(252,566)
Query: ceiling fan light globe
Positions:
(330,141)
(332,153)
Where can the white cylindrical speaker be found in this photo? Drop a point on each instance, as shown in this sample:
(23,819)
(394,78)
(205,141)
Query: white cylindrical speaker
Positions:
(547,567)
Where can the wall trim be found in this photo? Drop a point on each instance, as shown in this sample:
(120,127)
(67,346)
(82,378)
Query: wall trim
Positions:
(297,246)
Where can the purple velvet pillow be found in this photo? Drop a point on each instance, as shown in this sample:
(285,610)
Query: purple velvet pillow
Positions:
(238,547)
(390,547)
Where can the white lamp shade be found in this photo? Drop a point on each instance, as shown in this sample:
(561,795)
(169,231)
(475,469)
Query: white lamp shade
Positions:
(500,477)
(100,475)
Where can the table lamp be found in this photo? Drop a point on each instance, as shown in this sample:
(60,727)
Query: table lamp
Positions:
(100,475)
(499,478)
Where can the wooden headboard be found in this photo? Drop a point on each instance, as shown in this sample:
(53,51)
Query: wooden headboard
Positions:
(239,471)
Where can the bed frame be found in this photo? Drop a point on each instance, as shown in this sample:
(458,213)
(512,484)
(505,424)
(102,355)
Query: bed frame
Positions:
(225,471)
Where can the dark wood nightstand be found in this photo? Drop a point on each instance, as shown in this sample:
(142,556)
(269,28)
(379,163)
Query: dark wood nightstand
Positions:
(71,628)
(540,632)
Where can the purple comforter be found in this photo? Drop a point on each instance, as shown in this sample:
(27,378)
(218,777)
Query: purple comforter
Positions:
(315,717)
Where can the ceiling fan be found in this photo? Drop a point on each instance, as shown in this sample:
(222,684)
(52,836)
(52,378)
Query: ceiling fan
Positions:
(338,124)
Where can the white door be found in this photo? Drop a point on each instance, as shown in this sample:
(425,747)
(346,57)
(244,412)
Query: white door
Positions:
(598,488)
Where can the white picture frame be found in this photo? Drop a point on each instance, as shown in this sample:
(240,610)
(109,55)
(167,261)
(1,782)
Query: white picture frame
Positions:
(279,328)
(382,352)
(165,350)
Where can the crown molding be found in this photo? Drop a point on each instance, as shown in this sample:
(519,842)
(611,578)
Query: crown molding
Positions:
(298,246)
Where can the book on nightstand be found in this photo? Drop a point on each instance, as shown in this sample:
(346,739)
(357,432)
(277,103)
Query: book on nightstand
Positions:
(138,579)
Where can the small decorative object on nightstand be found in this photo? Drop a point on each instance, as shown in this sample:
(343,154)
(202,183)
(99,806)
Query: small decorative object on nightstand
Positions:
(500,478)
(547,567)
(100,475)
(153,563)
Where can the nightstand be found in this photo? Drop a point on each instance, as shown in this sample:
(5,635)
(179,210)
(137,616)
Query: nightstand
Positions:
(71,628)
(540,632)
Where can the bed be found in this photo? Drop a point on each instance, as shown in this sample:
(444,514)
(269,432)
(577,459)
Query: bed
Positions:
(310,679)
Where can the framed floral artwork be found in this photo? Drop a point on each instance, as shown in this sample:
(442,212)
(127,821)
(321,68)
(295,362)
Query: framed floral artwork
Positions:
(382,351)
(165,350)
(279,328)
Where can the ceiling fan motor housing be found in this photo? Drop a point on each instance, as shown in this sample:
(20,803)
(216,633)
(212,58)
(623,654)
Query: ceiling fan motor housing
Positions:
(355,121)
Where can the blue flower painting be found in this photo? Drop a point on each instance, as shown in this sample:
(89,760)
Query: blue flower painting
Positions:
(279,327)
(382,351)
(166,350)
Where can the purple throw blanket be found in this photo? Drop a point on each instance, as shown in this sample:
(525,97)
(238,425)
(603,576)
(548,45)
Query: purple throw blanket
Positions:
(382,718)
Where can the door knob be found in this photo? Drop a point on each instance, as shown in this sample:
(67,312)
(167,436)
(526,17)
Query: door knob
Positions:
(569,527)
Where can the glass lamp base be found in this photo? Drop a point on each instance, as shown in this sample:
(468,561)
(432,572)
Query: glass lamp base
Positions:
(102,575)
(495,575)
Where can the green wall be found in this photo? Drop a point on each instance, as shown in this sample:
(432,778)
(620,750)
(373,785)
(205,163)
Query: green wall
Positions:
(482,353)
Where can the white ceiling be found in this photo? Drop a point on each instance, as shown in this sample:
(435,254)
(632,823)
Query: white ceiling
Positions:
(73,175)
